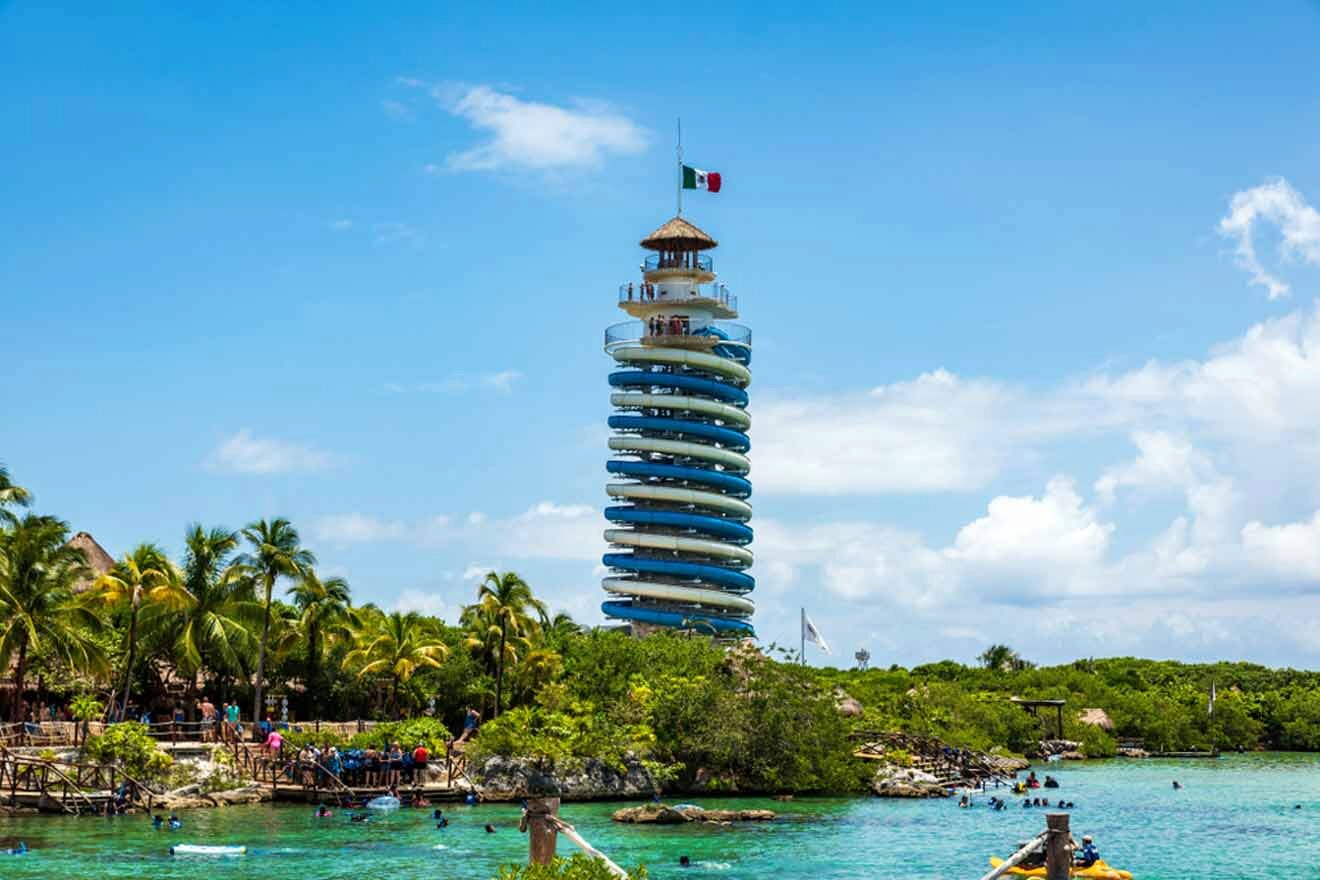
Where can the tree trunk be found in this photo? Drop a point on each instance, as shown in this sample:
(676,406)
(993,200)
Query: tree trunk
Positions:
(314,672)
(499,676)
(128,661)
(20,670)
(261,665)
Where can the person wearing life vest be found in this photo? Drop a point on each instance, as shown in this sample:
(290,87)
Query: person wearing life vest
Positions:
(1088,855)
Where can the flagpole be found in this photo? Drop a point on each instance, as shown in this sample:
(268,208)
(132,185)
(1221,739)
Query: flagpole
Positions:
(802,631)
(679,150)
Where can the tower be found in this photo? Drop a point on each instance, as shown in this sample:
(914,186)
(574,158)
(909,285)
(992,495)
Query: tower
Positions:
(678,532)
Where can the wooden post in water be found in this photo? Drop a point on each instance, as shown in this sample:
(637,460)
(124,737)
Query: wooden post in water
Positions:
(1058,847)
(541,835)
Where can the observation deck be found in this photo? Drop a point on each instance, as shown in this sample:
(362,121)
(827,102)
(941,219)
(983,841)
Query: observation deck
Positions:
(684,264)
(646,299)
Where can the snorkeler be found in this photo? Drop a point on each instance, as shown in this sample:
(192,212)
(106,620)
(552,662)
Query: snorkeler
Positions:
(490,829)
(175,822)
(19,850)
(157,821)
(684,862)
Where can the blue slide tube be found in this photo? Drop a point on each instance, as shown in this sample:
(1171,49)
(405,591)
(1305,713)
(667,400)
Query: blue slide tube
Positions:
(674,619)
(727,437)
(716,574)
(650,379)
(733,532)
(735,486)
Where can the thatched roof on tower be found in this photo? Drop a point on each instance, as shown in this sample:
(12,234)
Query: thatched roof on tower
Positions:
(678,235)
(98,560)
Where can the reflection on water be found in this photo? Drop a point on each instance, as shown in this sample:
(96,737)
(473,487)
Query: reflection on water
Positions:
(1239,817)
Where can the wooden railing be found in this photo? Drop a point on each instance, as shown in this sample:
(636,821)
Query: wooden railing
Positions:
(69,785)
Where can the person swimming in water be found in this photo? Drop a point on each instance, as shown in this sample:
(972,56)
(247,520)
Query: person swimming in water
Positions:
(19,850)
(490,829)
(157,821)
(175,822)
(1176,785)
(359,817)
(323,812)
(438,813)
(684,862)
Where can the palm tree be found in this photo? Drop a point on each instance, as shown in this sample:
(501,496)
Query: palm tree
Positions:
(505,607)
(323,607)
(276,552)
(142,578)
(216,627)
(1001,658)
(11,494)
(398,644)
(38,609)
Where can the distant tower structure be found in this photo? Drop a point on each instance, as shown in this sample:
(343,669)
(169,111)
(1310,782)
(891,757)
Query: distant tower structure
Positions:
(678,531)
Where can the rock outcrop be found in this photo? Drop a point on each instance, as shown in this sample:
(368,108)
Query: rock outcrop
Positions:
(591,779)
(892,781)
(190,798)
(661,814)
(1065,748)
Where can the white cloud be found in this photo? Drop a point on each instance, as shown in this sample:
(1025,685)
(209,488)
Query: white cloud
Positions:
(421,601)
(529,135)
(1023,534)
(554,531)
(1163,461)
(398,233)
(501,381)
(245,453)
(356,528)
(1291,551)
(545,530)
(933,433)
(1278,204)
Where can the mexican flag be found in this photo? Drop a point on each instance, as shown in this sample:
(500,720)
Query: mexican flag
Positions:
(695,178)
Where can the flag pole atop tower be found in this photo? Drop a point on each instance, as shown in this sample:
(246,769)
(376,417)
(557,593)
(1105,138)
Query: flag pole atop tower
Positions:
(679,150)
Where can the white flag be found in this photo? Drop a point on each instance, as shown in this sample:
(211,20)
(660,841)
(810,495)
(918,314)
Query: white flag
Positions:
(811,634)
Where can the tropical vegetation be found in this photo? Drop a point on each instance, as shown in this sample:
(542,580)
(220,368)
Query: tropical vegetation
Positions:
(241,615)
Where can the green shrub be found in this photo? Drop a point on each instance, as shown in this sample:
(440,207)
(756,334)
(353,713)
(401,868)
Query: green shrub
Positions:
(129,746)
(431,732)
(579,867)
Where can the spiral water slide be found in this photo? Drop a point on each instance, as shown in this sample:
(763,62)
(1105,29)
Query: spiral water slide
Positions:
(679,532)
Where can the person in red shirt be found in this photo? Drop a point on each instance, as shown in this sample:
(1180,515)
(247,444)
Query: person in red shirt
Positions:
(420,756)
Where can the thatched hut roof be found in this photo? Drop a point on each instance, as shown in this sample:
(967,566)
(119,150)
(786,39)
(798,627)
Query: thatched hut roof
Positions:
(98,560)
(678,235)
(1096,718)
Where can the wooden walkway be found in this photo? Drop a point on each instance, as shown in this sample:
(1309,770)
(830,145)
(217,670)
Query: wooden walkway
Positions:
(311,782)
(54,786)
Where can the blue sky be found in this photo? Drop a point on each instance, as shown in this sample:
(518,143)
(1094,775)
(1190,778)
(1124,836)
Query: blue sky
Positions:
(1033,293)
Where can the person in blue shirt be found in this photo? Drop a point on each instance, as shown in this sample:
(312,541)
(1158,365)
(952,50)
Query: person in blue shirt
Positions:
(1088,855)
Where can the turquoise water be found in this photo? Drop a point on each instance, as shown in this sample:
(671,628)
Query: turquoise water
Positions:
(1235,818)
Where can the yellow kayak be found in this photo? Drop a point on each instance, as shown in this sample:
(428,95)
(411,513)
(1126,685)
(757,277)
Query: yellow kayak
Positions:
(1098,871)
